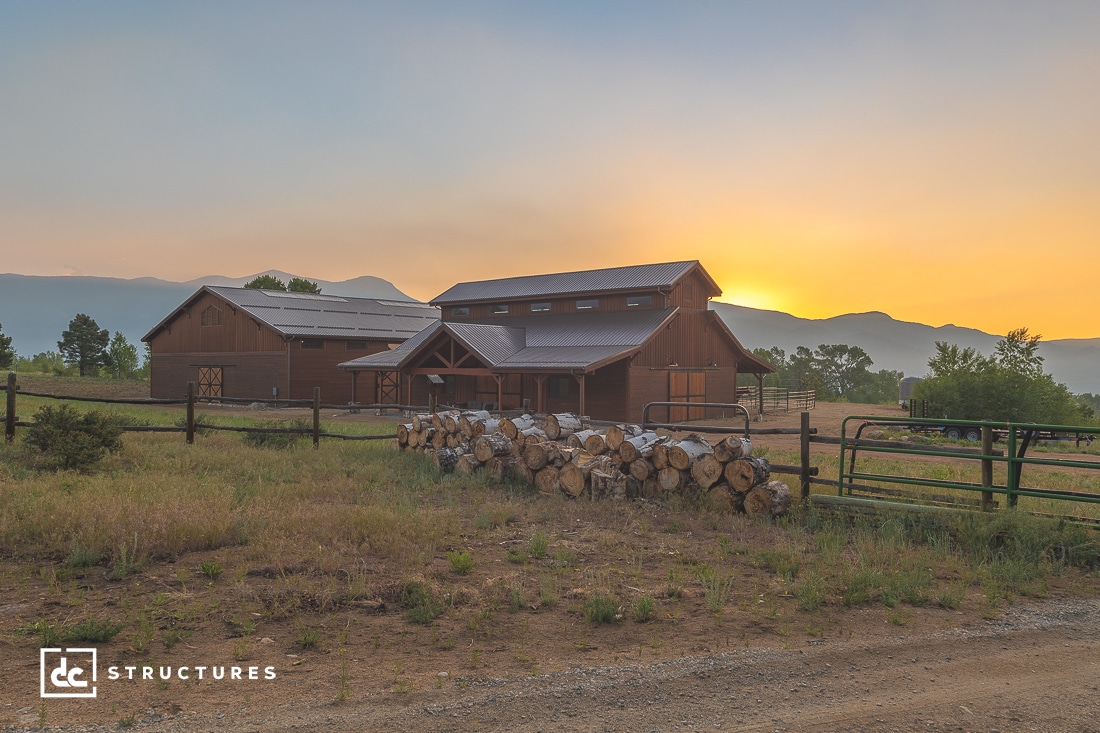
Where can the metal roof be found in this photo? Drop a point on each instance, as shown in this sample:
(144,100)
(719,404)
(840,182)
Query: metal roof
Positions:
(323,316)
(494,343)
(574,341)
(633,277)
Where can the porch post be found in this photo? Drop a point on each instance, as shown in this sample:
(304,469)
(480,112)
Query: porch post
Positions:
(500,391)
(540,381)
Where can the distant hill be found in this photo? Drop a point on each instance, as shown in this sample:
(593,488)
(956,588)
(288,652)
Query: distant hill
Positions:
(34,310)
(901,345)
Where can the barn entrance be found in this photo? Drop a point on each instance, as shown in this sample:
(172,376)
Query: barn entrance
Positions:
(210,382)
(687,386)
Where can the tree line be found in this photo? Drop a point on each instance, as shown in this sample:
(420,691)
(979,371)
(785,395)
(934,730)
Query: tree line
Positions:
(961,383)
(90,350)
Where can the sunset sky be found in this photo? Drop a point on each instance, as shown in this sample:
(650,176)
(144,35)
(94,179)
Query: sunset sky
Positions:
(939,161)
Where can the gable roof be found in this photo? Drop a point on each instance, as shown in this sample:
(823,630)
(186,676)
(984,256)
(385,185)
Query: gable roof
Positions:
(573,341)
(633,277)
(320,316)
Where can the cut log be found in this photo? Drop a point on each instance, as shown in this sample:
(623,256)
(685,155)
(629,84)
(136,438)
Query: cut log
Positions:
(721,498)
(532,435)
(502,468)
(770,499)
(616,434)
(572,480)
(659,456)
(493,444)
(744,473)
(403,433)
(466,420)
(395,444)
(639,446)
(424,437)
(439,440)
(732,448)
(671,479)
(590,440)
(421,421)
(467,463)
(446,459)
(641,469)
(547,481)
(562,425)
(706,470)
(608,485)
(537,456)
(523,474)
(511,426)
(687,451)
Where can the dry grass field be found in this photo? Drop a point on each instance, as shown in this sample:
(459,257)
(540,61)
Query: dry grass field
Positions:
(366,582)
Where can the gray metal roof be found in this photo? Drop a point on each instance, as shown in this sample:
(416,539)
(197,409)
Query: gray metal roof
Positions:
(495,343)
(573,341)
(633,277)
(563,357)
(325,316)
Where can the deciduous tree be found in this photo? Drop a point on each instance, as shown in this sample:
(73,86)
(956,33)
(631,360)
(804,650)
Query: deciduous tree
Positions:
(265,282)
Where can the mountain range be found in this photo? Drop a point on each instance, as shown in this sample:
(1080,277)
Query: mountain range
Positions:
(34,310)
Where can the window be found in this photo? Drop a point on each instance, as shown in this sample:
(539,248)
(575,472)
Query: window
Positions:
(212,316)
(460,310)
(639,301)
(355,345)
(313,343)
(543,307)
(558,388)
(448,384)
(588,304)
(499,309)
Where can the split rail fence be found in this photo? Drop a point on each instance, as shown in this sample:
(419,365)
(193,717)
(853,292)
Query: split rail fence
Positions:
(853,487)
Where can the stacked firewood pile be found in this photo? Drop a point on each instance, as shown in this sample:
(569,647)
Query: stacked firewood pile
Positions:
(621,461)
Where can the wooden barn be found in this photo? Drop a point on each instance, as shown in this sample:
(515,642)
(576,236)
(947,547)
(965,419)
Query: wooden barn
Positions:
(263,344)
(600,342)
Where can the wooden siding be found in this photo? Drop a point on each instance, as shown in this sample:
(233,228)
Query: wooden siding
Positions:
(686,340)
(238,332)
(311,368)
(249,376)
(693,291)
(647,385)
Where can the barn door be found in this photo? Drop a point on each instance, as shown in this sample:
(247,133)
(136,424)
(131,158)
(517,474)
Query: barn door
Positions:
(686,386)
(210,382)
(389,388)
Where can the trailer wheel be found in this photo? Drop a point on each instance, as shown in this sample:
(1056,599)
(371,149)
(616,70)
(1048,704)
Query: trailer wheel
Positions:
(953,433)
(973,434)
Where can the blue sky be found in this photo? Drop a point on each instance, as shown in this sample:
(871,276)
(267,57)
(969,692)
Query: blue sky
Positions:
(847,149)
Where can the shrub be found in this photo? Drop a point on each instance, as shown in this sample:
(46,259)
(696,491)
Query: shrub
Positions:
(68,439)
(642,609)
(461,562)
(421,604)
(602,609)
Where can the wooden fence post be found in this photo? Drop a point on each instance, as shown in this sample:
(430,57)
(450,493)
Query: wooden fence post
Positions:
(987,467)
(9,419)
(190,413)
(804,451)
(316,417)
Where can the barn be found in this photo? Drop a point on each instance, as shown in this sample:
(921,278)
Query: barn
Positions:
(599,342)
(264,344)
